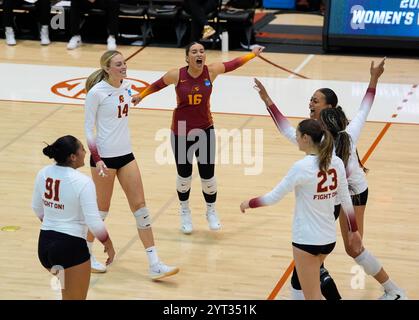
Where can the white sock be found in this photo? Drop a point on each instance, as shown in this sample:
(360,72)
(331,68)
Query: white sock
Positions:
(90,246)
(210,206)
(297,294)
(390,286)
(184,204)
(152,255)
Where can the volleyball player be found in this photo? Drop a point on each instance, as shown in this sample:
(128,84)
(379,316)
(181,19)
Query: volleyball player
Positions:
(65,201)
(318,180)
(358,187)
(107,107)
(193,127)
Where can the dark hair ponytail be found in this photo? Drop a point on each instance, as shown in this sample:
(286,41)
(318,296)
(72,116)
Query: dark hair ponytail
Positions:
(335,121)
(321,138)
(330,96)
(61,149)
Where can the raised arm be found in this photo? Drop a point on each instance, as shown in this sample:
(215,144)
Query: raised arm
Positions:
(218,68)
(171,77)
(286,185)
(355,126)
(281,122)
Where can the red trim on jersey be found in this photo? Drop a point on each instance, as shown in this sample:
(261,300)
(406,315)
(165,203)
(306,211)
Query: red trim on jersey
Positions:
(94,152)
(255,203)
(154,87)
(238,62)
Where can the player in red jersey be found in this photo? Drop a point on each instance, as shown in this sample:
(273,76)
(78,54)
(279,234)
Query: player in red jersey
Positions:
(192,126)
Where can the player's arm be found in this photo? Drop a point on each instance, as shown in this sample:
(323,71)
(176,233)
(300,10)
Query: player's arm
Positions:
(37,205)
(355,126)
(218,68)
(286,185)
(281,122)
(170,77)
(355,239)
(93,220)
(91,106)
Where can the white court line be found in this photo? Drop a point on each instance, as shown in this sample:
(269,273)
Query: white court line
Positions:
(301,66)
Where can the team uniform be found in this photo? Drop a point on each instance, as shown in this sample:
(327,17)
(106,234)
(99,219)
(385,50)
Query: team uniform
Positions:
(193,133)
(65,201)
(193,112)
(108,108)
(358,186)
(315,192)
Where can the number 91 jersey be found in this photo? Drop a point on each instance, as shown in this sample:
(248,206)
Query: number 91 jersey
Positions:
(108,108)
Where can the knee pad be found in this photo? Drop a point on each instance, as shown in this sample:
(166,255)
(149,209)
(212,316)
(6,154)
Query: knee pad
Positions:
(295,282)
(370,263)
(328,286)
(209,186)
(103,214)
(183,184)
(143,219)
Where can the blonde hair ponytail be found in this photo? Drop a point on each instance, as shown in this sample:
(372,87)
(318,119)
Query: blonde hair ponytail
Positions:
(100,74)
(94,78)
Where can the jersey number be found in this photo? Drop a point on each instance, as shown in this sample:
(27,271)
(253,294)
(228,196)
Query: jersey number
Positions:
(123,111)
(195,99)
(323,178)
(53,189)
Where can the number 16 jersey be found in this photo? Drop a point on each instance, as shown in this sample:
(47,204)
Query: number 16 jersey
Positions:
(193,102)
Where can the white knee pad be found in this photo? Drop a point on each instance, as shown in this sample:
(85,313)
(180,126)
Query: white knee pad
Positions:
(370,263)
(209,186)
(103,214)
(183,184)
(143,219)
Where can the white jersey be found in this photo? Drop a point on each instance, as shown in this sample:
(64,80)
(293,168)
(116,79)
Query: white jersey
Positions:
(315,195)
(107,107)
(356,176)
(64,199)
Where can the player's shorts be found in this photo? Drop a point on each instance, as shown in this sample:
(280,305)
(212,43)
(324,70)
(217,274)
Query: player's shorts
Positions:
(61,249)
(115,162)
(315,249)
(357,200)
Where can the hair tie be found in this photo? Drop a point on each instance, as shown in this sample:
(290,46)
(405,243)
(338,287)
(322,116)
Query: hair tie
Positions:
(341,131)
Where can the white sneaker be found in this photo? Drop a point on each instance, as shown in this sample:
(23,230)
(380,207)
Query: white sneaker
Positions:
(185,220)
(393,295)
(10,36)
(74,43)
(111,43)
(213,221)
(96,266)
(160,270)
(45,36)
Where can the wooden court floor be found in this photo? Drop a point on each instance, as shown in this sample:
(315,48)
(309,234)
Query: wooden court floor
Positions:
(249,255)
